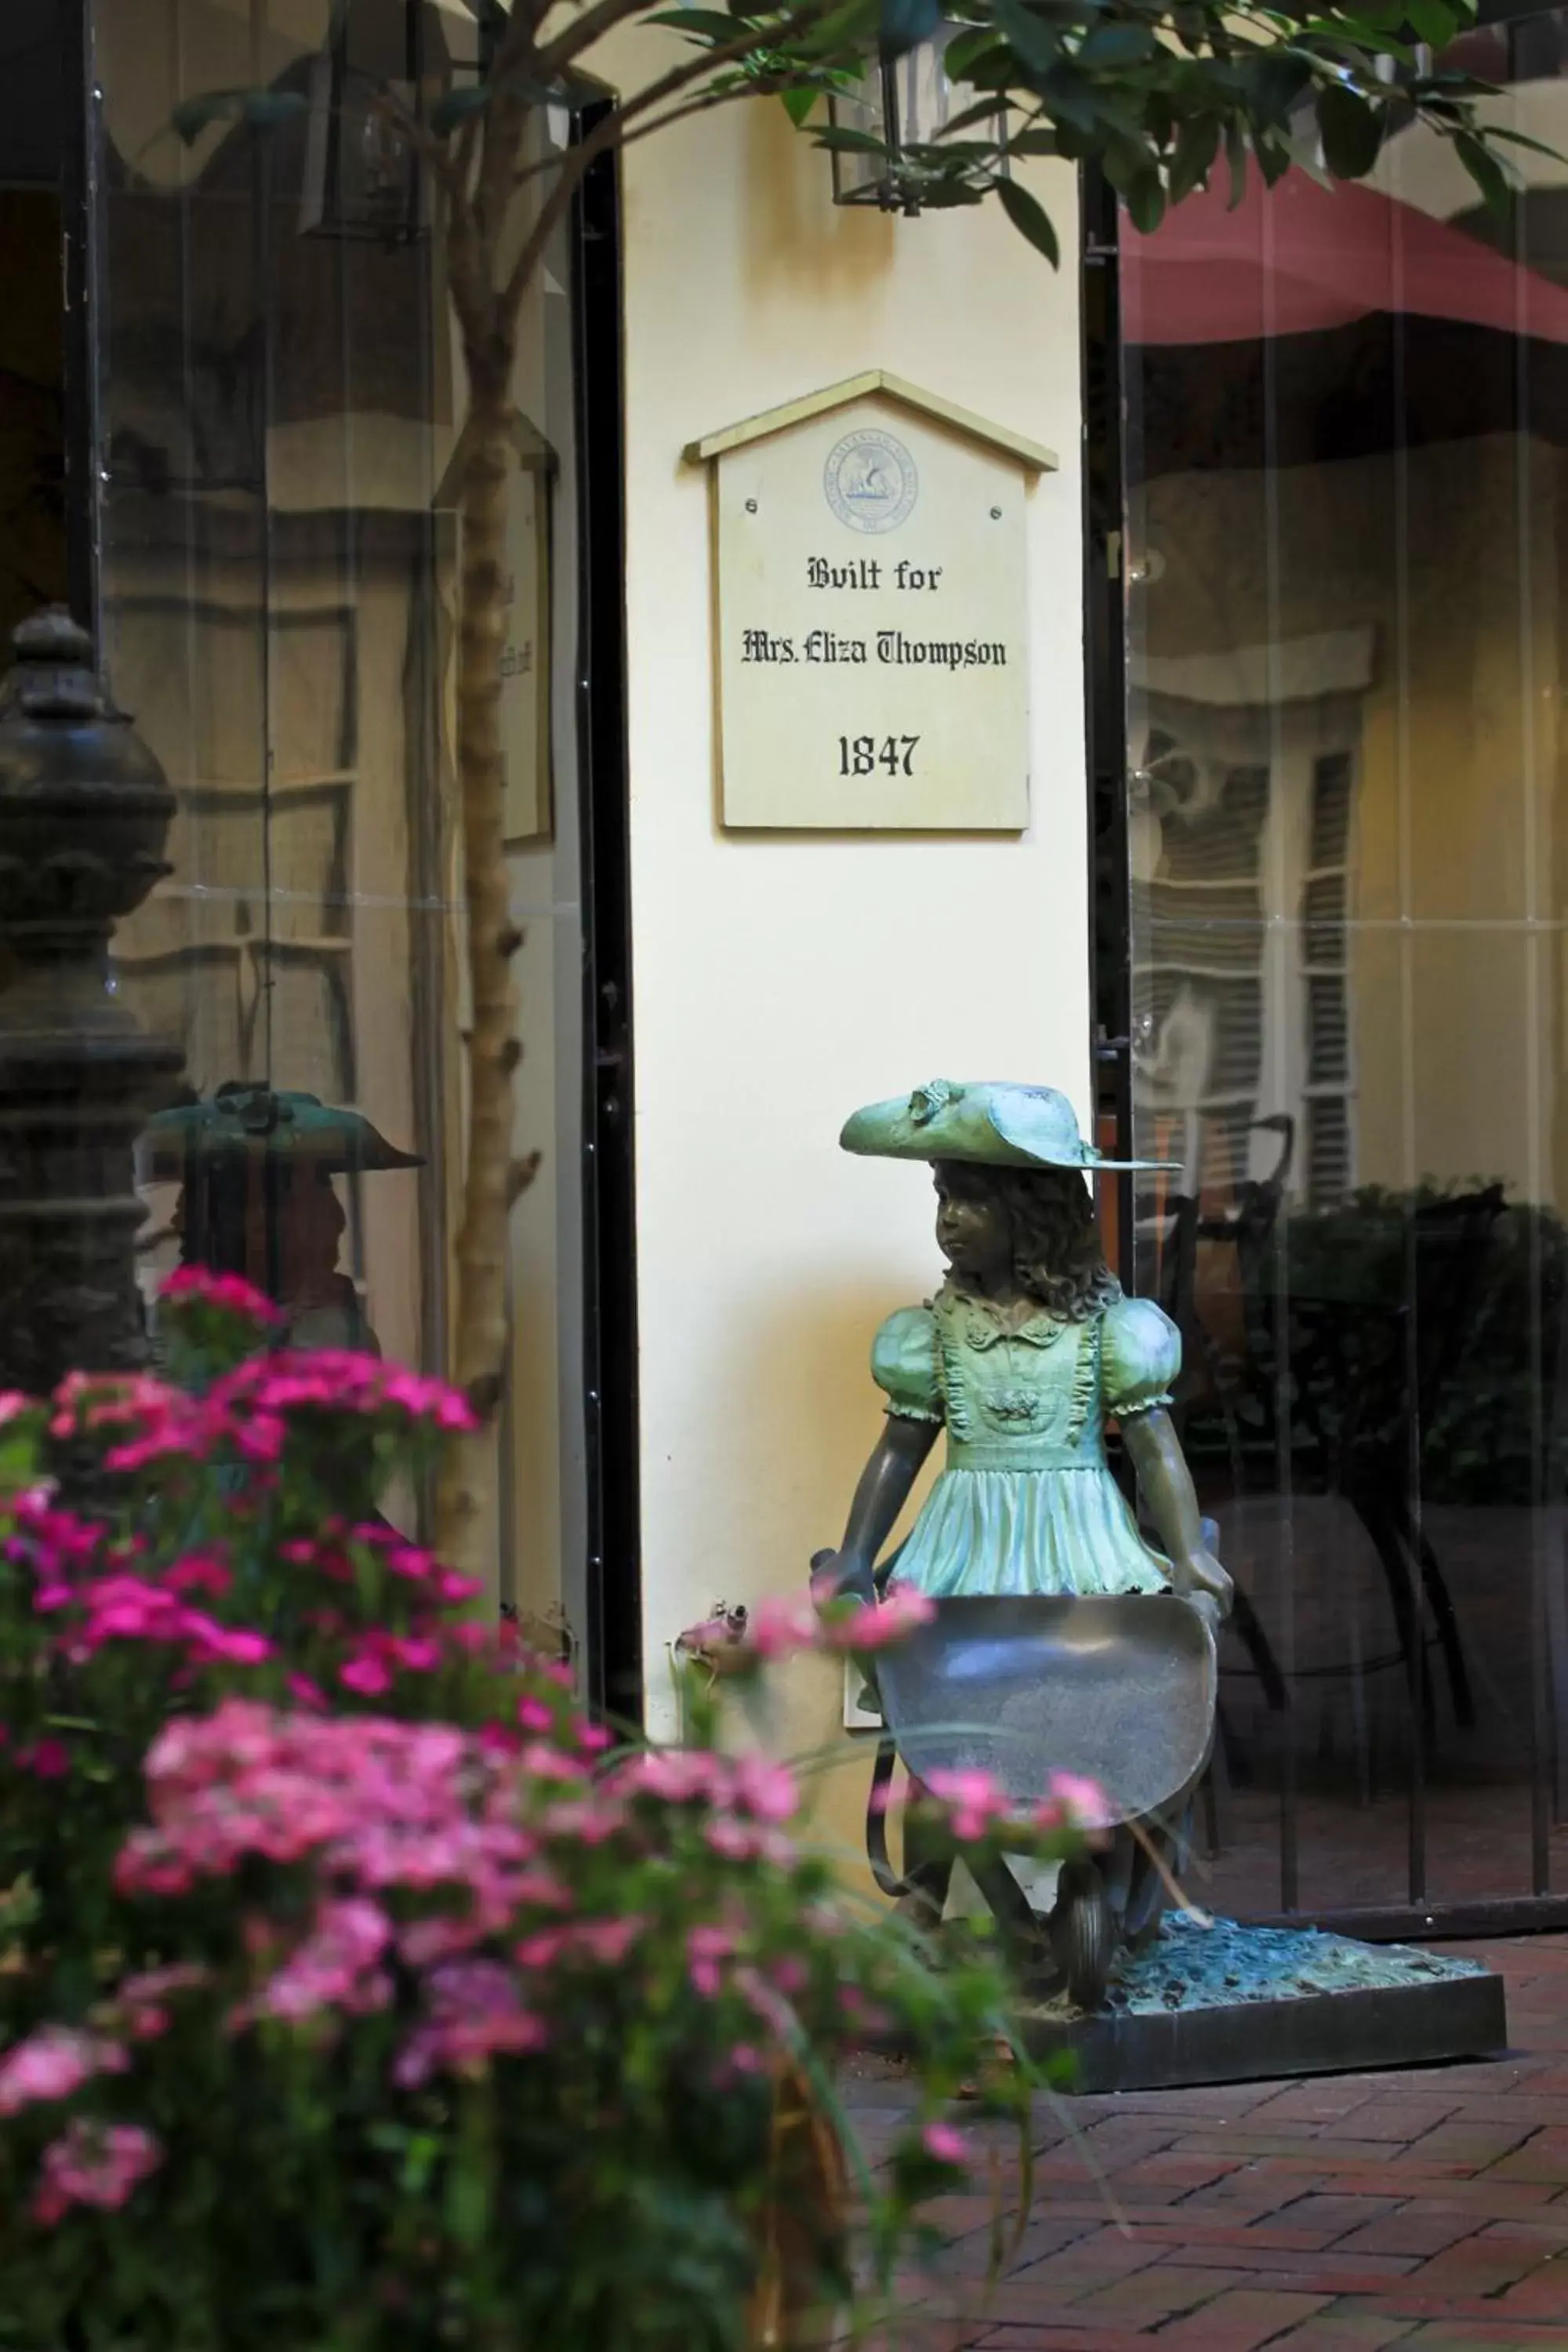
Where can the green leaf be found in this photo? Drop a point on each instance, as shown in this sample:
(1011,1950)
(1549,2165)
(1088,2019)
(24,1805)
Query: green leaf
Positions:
(903,24)
(1109,47)
(1070,98)
(1145,201)
(1486,171)
(942,195)
(984,109)
(1235,158)
(848,141)
(797,104)
(1351,132)
(1495,131)
(1030,218)
(1197,144)
(965,50)
(1032,43)
(1274,81)
(1035,142)
(1433,21)
(1274,160)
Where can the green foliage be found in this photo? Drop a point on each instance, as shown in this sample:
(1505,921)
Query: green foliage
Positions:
(1155,92)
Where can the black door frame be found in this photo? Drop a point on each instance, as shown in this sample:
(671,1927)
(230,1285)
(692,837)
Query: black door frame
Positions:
(613,1635)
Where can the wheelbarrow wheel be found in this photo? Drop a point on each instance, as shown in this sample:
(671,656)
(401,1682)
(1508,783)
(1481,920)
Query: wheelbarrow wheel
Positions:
(1083,1933)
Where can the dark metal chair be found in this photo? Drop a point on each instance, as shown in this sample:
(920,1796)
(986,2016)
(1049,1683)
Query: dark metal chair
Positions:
(1342,1386)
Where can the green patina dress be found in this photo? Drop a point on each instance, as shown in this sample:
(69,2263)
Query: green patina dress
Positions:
(1027,1503)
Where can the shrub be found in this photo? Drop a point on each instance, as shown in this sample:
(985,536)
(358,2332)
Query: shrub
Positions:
(356,1990)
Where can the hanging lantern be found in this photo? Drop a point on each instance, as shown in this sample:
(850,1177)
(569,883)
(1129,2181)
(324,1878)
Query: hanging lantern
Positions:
(905,103)
(362,178)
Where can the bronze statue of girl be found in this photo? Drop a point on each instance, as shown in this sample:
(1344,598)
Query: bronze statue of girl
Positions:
(1024,1355)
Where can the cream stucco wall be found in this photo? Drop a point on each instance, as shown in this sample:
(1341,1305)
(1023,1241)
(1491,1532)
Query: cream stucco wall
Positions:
(780,981)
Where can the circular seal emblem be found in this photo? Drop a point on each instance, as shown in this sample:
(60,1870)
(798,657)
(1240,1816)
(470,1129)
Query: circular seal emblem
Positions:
(869,480)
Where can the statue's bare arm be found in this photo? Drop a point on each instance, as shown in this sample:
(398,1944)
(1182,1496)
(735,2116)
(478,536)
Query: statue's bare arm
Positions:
(884,1489)
(1165,1484)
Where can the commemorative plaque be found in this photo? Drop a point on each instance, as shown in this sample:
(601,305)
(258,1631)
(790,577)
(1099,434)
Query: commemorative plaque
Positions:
(872,614)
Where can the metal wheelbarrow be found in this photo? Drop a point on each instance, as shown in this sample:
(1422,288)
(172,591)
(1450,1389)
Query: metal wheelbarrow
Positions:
(1120,1690)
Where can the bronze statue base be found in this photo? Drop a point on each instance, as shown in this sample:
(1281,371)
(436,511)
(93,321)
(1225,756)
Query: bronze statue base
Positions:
(1229,2003)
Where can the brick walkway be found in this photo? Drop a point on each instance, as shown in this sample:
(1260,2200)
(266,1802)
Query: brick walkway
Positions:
(1427,2207)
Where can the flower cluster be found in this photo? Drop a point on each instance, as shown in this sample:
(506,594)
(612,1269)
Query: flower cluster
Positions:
(191,1289)
(782,1625)
(93,2164)
(379,1879)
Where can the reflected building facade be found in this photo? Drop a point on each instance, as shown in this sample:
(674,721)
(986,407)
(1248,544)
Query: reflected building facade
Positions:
(1344,628)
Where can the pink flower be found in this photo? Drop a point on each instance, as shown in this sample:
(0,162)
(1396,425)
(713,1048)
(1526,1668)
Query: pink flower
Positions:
(193,1286)
(947,2145)
(767,1790)
(53,2063)
(142,1999)
(235,1646)
(731,1840)
(973,1801)
(547,1763)
(1085,1800)
(534,1715)
(608,1940)
(93,2164)
(200,1572)
(49,1759)
(334,1967)
(780,1625)
(476,2013)
(365,1675)
(878,1624)
(705,1947)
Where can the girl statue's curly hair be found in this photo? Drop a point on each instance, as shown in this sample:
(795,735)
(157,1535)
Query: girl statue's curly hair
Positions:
(1057,1251)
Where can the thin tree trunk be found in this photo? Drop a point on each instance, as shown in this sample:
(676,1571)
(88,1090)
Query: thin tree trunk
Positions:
(494,1051)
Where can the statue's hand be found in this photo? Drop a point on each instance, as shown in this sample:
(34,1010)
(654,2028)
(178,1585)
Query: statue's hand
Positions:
(833,1578)
(1199,1577)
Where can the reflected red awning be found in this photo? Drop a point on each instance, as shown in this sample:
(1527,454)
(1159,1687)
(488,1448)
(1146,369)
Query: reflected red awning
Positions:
(1298,258)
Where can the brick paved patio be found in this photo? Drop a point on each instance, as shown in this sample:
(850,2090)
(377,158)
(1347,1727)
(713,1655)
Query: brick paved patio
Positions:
(1427,2207)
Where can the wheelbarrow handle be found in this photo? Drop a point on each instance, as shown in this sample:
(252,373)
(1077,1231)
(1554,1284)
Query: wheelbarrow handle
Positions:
(877,1854)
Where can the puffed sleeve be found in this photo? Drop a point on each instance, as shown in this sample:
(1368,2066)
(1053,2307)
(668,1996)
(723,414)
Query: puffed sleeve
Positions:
(904,1364)
(1141,1356)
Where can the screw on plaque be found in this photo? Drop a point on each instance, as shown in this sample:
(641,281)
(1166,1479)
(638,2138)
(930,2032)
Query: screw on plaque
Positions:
(995,514)
(751,506)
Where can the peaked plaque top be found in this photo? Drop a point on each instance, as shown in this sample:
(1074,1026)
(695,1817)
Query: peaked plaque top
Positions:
(1030,455)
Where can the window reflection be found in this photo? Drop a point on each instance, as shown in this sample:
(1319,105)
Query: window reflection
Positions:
(280,397)
(1347,520)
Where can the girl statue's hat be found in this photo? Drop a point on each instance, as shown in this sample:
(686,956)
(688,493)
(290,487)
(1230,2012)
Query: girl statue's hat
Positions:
(990,1125)
(243,1123)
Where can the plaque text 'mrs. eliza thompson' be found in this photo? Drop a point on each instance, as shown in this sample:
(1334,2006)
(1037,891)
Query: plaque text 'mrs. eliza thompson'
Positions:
(874,649)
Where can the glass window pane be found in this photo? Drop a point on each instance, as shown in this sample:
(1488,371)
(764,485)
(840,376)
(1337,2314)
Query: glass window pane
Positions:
(1344,529)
